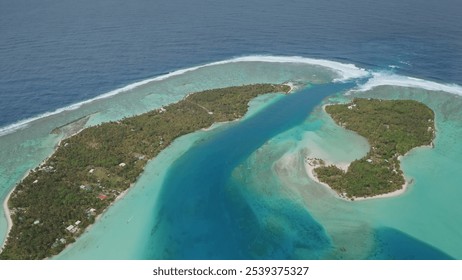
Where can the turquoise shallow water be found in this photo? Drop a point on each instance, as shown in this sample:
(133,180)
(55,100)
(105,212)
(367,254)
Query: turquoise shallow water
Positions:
(269,206)
(429,211)
(205,214)
(425,216)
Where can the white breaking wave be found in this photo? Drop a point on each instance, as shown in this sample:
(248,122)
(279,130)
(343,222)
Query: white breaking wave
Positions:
(24,123)
(389,79)
(346,71)
(405,62)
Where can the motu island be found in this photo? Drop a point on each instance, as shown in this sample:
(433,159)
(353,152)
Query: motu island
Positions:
(392,128)
(58,200)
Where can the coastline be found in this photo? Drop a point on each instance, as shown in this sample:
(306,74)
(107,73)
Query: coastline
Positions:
(313,163)
(8,217)
(97,218)
(309,168)
(292,89)
(6,209)
(254,91)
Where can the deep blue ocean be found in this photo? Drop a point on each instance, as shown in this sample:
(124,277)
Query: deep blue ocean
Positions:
(56,53)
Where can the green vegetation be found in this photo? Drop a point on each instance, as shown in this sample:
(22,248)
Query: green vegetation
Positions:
(54,204)
(392,127)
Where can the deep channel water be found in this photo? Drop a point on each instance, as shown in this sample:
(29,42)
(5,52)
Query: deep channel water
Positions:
(209,216)
(240,191)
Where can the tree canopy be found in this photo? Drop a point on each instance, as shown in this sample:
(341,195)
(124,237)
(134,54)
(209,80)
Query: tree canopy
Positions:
(56,201)
(392,127)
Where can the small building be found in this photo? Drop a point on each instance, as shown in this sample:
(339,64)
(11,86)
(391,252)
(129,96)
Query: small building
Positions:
(77,223)
(91,212)
(36,222)
(35,182)
(351,106)
(63,241)
(122,164)
(102,196)
(72,229)
(91,171)
(85,188)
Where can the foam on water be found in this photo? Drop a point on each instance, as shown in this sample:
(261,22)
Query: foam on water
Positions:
(350,226)
(390,79)
(49,63)
(138,101)
(346,72)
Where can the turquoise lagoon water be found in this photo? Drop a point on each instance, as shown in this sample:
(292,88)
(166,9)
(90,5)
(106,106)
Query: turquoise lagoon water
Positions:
(240,190)
(424,218)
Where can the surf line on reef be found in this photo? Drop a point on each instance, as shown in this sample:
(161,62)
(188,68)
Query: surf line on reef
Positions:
(345,72)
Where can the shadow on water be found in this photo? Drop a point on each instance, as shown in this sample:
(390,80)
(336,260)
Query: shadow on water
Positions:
(392,244)
(202,219)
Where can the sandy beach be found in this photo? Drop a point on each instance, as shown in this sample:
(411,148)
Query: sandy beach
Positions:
(309,167)
(97,218)
(292,87)
(215,125)
(8,218)
(385,195)
(7,198)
